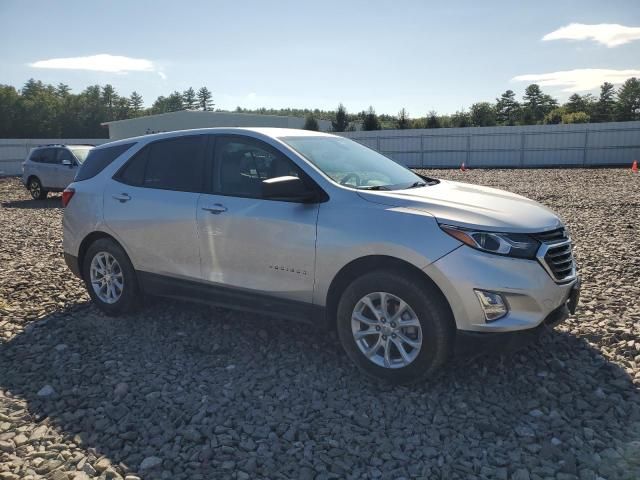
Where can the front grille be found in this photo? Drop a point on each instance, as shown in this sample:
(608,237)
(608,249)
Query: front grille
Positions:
(556,255)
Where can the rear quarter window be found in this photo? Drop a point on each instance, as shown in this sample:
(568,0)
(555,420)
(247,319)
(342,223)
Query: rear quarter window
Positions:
(98,159)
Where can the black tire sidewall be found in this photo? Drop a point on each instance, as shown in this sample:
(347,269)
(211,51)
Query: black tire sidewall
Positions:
(435,320)
(129,298)
(43,192)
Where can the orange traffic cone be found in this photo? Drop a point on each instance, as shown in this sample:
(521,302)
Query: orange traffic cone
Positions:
(464,169)
(634,166)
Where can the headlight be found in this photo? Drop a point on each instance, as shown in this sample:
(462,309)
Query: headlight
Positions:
(518,245)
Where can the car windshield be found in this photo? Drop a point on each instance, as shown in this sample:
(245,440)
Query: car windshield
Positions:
(81,153)
(351,164)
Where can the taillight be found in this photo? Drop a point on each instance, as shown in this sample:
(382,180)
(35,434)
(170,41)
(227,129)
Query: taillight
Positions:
(67,195)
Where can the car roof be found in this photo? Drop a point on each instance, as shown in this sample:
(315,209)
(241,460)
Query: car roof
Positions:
(260,131)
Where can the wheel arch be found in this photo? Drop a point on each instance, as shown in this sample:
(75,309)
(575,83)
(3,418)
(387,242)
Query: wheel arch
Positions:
(369,263)
(91,238)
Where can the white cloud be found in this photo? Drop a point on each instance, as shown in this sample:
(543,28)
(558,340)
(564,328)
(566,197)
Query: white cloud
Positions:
(609,34)
(579,80)
(100,63)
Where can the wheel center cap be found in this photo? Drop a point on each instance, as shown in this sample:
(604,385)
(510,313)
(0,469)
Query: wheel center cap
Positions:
(387,330)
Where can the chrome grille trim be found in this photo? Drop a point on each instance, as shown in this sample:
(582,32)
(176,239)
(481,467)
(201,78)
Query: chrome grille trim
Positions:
(556,255)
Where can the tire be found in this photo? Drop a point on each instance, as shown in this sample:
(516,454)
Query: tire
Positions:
(426,306)
(36,190)
(121,276)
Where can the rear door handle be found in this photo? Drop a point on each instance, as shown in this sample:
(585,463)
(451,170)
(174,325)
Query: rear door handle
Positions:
(216,209)
(122,197)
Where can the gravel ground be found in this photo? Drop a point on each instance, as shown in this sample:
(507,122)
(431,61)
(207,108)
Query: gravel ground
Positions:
(183,391)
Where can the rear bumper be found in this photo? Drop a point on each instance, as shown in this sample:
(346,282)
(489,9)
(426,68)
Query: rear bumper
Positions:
(470,343)
(72,263)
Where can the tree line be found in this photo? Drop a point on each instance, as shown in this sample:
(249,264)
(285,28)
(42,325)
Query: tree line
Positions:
(40,110)
(535,108)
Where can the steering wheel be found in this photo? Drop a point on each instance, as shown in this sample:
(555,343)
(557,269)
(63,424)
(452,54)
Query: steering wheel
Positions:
(349,176)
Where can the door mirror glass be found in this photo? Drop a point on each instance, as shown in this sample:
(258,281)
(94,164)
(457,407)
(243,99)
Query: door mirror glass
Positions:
(287,188)
(66,162)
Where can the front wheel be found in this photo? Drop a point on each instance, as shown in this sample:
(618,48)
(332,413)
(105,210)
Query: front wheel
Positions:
(395,327)
(36,190)
(110,278)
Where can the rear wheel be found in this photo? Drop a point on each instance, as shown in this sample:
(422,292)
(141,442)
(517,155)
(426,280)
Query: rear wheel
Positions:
(36,190)
(395,327)
(110,278)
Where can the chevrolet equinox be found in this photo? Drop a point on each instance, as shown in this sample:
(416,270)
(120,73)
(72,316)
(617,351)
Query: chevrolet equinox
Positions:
(316,227)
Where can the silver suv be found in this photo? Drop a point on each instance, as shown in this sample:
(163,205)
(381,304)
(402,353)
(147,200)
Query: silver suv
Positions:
(50,168)
(318,228)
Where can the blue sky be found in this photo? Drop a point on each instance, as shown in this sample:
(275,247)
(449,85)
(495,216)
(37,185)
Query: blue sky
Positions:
(421,55)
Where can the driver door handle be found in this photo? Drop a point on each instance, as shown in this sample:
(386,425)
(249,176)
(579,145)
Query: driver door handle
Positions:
(122,197)
(216,209)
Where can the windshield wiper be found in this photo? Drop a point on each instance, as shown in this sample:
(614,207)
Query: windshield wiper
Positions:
(374,187)
(416,185)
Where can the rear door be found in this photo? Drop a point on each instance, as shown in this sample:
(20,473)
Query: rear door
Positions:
(150,205)
(250,243)
(44,167)
(65,173)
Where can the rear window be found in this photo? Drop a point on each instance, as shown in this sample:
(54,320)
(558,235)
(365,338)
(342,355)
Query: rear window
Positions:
(80,153)
(98,159)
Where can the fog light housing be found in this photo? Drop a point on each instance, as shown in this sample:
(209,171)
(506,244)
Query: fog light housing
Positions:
(493,305)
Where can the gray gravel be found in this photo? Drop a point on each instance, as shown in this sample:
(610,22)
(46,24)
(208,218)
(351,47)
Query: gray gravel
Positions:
(183,391)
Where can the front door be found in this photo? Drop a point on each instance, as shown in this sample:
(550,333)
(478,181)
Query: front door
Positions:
(150,205)
(250,243)
(65,173)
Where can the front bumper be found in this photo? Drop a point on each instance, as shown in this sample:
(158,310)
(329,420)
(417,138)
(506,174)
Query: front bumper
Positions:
(530,293)
(469,343)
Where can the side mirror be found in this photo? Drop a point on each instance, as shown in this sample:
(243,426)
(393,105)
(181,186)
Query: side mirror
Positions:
(287,188)
(68,163)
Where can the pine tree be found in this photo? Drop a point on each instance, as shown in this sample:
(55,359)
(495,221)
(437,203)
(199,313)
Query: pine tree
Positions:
(174,102)
(628,105)
(580,103)
(204,99)
(341,123)
(62,90)
(536,104)
(189,99)
(135,103)
(108,99)
(402,121)
(370,121)
(507,108)
(604,109)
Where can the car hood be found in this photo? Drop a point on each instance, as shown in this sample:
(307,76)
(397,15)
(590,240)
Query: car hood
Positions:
(471,206)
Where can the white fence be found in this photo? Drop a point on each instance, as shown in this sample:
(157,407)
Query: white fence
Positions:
(577,145)
(14,151)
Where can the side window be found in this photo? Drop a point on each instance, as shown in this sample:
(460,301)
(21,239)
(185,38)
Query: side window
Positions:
(36,156)
(243,163)
(48,155)
(99,159)
(133,172)
(175,164)
(64,154)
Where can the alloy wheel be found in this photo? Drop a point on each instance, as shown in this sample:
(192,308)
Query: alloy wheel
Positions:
(107,278)
(386,330)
